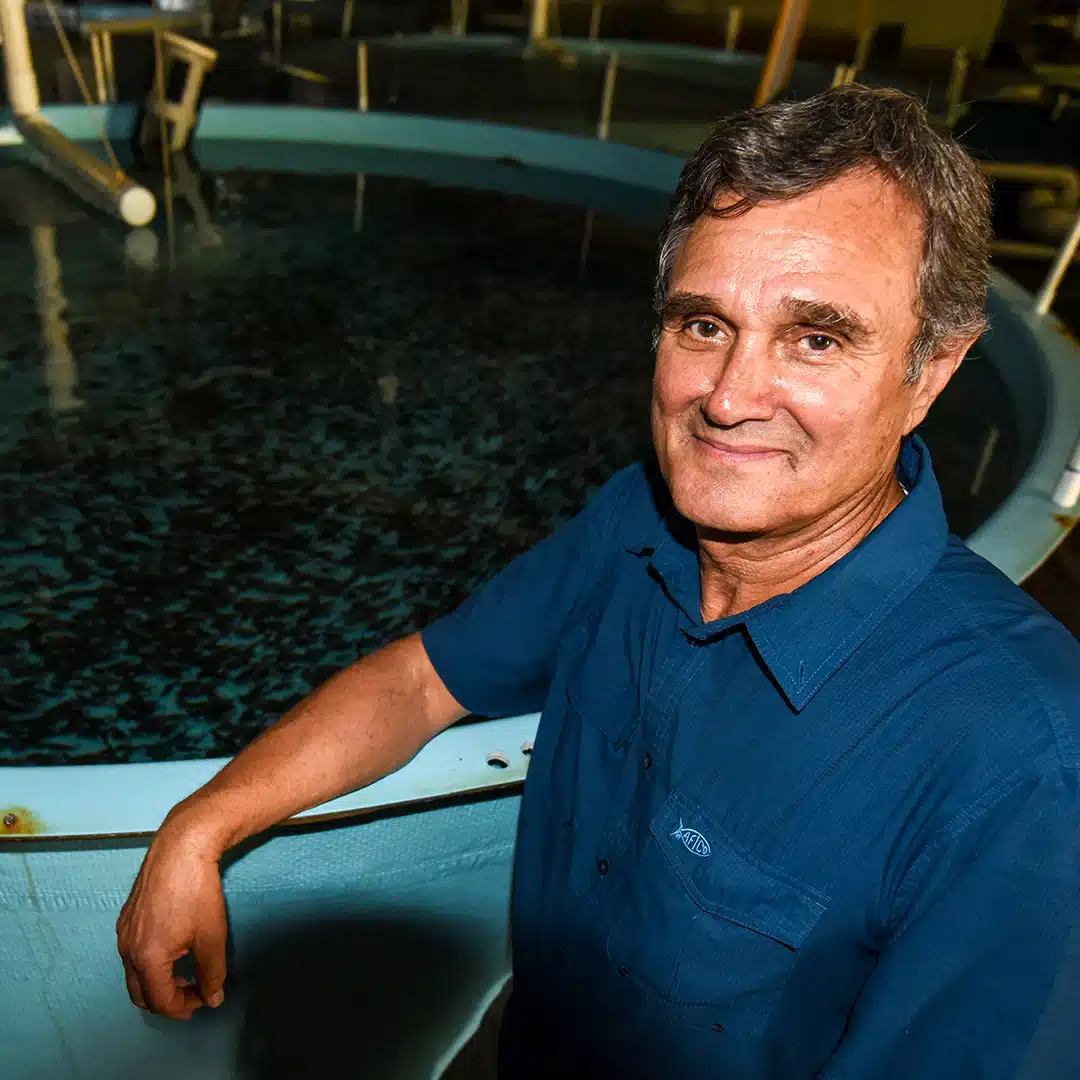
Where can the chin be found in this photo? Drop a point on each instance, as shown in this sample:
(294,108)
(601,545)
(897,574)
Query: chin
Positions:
(716,508)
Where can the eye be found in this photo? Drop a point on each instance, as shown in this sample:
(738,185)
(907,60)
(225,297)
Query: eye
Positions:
(819,342)
(706,329)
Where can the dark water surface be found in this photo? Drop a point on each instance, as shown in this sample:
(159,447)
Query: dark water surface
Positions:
(325,424)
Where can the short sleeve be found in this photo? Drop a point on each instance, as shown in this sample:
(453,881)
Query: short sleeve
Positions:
(496,652)
(969,978)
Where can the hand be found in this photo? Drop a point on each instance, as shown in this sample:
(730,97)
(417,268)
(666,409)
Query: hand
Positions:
(176,906)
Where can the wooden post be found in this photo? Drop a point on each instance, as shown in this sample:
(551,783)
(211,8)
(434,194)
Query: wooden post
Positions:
(782,49)
(607,101)
(362,75)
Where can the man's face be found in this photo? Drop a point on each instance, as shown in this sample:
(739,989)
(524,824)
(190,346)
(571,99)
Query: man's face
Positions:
(779,395)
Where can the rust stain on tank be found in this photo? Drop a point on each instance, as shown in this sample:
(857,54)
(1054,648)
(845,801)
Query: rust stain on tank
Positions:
(19,821)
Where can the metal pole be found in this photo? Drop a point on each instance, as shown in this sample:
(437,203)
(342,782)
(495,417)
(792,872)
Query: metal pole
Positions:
(22,84)
(957,79)
(862,48)
(539,20)
(734,25)
(782,49)
(843,75)
(361,75)
(864,30)
(594,20)
(603,127)
(459,16)
(1045,298)
(277,17)
(346,19)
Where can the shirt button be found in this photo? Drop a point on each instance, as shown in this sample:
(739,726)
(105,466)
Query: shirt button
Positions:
(623,972)
(602,866)
(646,761)
(718,1026)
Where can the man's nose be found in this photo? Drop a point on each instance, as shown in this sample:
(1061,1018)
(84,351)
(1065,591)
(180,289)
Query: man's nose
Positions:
(744,384)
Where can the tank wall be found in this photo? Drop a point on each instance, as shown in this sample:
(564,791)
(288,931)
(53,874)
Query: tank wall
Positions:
(373,943)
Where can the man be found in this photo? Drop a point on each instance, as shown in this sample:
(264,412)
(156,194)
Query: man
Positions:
(803,801)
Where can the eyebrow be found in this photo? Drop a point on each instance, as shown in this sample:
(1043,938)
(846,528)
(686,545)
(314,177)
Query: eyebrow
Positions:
(680,304)
(825,315)
(819,314)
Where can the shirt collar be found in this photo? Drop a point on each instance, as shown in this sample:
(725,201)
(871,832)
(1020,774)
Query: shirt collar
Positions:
(804,636)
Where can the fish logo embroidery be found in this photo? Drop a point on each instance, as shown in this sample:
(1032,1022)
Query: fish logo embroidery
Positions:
(693,841)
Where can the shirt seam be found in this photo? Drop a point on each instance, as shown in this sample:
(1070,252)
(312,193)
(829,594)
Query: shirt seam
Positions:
(955,827)
(1068,748)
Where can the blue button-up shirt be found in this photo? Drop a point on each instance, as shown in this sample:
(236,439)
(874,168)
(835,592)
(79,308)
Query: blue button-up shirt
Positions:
(832,836)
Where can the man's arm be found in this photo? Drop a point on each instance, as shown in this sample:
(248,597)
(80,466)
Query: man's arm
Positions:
(364,723)
(962,986)
(494,655)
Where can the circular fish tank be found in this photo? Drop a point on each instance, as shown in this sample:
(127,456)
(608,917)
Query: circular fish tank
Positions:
(361,362)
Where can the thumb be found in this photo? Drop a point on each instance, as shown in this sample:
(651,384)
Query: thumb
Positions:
(209,952)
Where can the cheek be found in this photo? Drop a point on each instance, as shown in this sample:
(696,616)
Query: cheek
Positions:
(677,384)
(835,409)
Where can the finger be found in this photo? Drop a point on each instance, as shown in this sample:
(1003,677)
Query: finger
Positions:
(133,988)
(161,993)
(209,953)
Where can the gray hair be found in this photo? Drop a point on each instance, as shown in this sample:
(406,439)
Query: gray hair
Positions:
(787,149)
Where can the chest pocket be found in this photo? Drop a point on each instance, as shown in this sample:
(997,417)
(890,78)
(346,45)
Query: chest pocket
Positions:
(704,923)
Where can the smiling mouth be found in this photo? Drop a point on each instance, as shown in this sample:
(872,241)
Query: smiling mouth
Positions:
(738,452)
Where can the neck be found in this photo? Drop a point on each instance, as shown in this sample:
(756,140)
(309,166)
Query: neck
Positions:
(739,572)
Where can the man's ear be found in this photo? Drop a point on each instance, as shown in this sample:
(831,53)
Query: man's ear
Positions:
(935,375)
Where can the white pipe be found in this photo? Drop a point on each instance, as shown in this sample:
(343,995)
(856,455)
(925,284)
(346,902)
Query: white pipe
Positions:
(22,87)
(1045,299)
(1068,487)
(98,183)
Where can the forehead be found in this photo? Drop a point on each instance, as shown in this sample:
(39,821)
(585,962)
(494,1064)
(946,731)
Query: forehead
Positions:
(856,240)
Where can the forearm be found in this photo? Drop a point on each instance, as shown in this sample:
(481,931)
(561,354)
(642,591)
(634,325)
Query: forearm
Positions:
(362,724)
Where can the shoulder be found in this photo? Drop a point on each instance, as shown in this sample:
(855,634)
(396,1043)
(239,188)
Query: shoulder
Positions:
(1007,659)
(629,509)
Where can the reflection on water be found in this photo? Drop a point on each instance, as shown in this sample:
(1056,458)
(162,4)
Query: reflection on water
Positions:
(310,416)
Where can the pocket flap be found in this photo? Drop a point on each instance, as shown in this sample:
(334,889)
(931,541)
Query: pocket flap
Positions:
(725,880)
